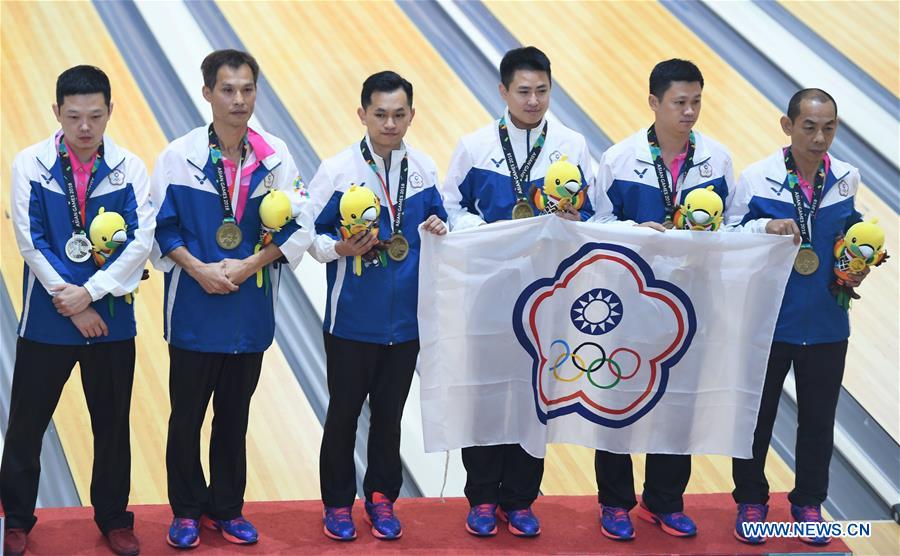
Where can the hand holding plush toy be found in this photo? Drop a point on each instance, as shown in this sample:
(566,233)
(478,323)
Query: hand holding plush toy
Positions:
(562,187)
(108,231)
(861,247)
(360,209)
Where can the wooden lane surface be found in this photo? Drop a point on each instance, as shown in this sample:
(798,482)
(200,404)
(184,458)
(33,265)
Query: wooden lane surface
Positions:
(284,433)
(866,32)
(342,44)
(606,73)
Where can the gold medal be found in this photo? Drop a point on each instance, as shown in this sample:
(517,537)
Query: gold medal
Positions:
(398,247)
(857,265)
(228,236)
(522,210)
(807,262)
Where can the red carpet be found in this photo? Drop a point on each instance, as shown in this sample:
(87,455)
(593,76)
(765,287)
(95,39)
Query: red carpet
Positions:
(569,524)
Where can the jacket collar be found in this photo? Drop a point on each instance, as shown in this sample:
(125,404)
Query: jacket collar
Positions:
(776,171)
(642,148)
(113,155)
(396,155)
(198,148)
(517,135)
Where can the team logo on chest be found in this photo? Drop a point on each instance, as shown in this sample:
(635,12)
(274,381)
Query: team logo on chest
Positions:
(641,173)
(555,155)
(416,180)
(117,177)
(843,188)
(705,170)
(269,180)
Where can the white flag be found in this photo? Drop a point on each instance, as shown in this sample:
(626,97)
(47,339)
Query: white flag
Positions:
(605,335)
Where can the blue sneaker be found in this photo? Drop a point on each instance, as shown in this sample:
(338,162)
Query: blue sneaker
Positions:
(380,515)
(677,524)
(184,533)
(237,530)
(338,523)
(522,523)
(750,513)
(482,520)
(810,514)
(615,523)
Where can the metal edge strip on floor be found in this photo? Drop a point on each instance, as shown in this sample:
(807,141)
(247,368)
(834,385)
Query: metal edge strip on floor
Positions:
(879,174)
(834,57)
(57,485)
(304,353)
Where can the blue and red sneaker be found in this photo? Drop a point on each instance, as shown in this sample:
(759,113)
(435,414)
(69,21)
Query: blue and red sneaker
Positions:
(749,513)
(237,530)
(615,523)
(521,523)
(677,524)
(338,523)
(810,514)
(380,515)
(482,520)
(184,533)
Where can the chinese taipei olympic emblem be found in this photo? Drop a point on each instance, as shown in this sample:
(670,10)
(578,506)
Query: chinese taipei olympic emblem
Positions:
(603,335)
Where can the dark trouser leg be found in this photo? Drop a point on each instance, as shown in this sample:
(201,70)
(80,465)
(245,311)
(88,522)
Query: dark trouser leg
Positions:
(228,440)
(350,365)
(665,478)
(387,396)
(192,377)
(484,471)
(750,484)
(615,479)
(40,372)
(522,475)
(107,375)
(818,372)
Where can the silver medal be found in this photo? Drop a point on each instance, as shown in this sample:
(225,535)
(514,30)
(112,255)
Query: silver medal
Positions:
(78,248)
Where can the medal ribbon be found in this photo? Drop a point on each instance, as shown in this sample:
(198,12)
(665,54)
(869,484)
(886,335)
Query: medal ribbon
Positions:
(215,153)
(77,213)
(396,215)
(797,195)
(659,165)
(523,174)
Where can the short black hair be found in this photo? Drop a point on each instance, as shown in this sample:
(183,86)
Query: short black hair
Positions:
(808,94)
(384,82)
(525,58)
(228,57)
(82,80)
(664,73)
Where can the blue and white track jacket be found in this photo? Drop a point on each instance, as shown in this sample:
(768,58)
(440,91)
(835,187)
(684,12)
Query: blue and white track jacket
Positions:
(478,187)
(190,212)
(380,305)
(626,173)
(43,225)
(809,313)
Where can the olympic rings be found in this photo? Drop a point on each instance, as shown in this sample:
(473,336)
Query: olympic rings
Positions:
(591,368)
(632,352)
(560,360)
(595,365)
(618,376)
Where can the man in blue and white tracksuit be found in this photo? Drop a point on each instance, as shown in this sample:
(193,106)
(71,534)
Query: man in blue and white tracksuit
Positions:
(219,317)
(75,308)
(491,175)
(371,328)
(812,328)
(645,177)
